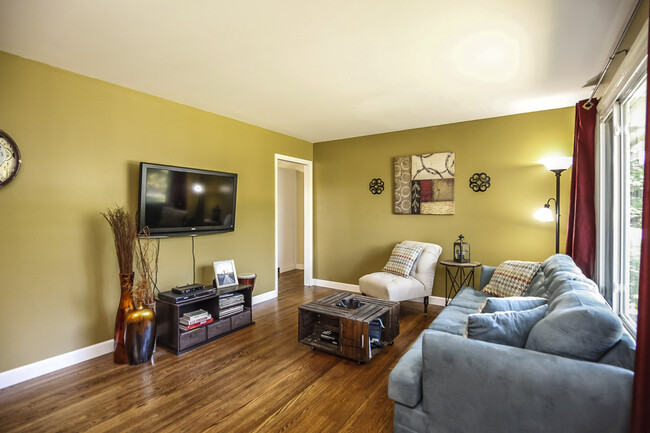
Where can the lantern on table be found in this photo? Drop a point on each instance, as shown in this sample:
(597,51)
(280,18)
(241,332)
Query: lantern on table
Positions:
(461,250)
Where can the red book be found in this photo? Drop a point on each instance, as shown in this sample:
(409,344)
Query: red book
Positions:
(196,325)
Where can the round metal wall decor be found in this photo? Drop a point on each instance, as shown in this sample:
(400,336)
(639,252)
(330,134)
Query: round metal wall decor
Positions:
(9,159)
(479,182)
(376,186)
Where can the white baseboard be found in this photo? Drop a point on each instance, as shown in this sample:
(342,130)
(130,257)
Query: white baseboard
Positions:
(335,285)
(39,368)
(437,300)
(300,266)
(265,297)
(433,300)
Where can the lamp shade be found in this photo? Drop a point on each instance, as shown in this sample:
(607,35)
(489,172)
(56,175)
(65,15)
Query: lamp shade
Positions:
(544,214)
(557,162)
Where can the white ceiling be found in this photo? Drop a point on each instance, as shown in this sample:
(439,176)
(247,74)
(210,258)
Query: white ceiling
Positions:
(323,70)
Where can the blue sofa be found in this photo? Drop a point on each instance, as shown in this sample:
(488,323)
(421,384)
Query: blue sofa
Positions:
(448,383)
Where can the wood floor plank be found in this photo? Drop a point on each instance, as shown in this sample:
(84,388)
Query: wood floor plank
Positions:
(259,379)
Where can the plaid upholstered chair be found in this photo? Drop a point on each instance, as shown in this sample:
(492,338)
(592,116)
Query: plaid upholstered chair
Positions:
(408,274)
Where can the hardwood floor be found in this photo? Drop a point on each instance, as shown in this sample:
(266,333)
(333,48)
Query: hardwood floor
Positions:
(260,379)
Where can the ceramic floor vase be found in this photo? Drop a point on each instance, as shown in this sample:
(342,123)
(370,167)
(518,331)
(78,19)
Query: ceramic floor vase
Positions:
(140,335)
(126,305)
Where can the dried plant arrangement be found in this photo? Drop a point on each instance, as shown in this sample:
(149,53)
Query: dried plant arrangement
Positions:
(124,232)
(147,265)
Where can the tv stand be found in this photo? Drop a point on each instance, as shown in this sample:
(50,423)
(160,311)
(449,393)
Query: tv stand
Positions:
(168,314)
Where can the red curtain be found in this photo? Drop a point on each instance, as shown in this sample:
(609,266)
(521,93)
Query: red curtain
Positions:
(581,231)
(641,400)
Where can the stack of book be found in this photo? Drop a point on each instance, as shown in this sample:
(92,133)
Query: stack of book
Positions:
(194,319)
(231,303)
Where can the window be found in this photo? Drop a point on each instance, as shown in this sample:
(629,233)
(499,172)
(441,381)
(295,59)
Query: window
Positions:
(619,187)
(633,112)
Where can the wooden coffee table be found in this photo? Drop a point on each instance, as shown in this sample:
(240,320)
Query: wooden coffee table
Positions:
(349,328)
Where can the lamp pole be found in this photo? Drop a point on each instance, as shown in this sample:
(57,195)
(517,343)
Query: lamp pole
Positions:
(558,173)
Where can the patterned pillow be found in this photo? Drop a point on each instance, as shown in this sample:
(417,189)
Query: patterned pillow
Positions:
(402,259)
(511,278)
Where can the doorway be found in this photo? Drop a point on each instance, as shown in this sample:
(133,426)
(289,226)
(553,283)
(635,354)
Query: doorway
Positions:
(293,218)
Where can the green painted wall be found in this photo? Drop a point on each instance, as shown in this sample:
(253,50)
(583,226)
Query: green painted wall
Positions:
(81,141)
(355,230)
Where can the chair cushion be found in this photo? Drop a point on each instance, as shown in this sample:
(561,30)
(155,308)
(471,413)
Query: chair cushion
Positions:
(511,278)
(504,327)
(514,303)
(402,259)
(385,285)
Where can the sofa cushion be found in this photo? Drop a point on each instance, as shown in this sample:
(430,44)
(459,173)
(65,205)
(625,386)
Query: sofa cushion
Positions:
(579,325)
(559,262)
(452,319)
(513,303)
(537,286)
(511,278)
(622,354)
(504,327)
(402,259)
(562,286)
(467,297)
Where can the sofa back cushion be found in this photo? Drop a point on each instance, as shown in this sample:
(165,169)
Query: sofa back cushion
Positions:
(559,262)
(579,325)
(622,354)
(537,286)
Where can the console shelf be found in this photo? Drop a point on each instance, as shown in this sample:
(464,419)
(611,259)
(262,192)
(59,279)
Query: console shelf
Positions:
(168,314)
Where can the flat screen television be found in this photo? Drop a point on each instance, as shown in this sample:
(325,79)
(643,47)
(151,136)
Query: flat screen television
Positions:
(177,201)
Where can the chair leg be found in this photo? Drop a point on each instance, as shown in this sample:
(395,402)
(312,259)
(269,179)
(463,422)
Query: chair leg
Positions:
(426,304)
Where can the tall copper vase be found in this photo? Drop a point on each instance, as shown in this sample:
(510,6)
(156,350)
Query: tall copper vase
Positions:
(140,334)
(126,305)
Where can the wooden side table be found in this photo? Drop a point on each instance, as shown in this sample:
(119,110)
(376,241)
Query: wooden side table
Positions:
(457,275)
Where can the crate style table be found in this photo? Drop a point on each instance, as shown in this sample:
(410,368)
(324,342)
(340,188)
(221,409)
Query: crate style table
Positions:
(351,325)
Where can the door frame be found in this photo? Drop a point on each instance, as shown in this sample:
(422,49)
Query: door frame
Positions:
(308,235)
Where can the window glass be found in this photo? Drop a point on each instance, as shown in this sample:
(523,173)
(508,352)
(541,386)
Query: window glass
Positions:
(633,110)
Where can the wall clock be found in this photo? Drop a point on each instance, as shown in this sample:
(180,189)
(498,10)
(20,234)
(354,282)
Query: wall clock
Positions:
(9,159)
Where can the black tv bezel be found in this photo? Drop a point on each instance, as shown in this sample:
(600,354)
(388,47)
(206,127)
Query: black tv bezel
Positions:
(182,231)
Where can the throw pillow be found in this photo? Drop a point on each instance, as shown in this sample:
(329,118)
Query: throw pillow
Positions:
(511,278)
(579,325)
(505,327)
(514,303)
(402,259)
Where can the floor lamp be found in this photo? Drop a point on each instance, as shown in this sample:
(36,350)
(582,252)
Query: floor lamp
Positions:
(557,165)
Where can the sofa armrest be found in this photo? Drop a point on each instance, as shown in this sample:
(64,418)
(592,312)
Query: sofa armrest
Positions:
(474,386)
(486,274)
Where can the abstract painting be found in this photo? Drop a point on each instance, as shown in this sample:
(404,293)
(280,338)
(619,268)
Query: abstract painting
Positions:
(424,184)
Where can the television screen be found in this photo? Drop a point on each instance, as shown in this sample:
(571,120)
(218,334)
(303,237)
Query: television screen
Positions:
(176,201)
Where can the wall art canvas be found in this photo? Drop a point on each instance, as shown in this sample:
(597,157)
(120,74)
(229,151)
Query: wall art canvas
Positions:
(424,184)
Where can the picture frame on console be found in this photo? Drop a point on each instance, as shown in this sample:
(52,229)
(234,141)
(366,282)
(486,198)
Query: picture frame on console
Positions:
(225,274)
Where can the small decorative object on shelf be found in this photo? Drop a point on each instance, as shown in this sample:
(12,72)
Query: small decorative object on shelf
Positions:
(479,182)
(376,186)
(224,274)
(461,250)
(247,279)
